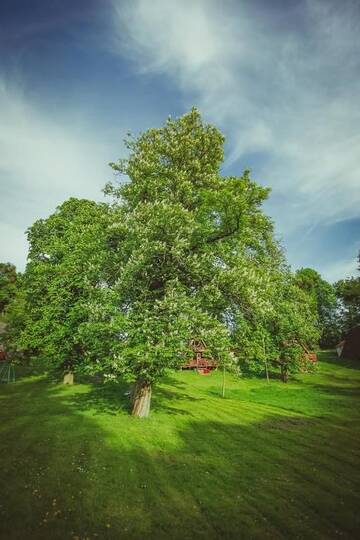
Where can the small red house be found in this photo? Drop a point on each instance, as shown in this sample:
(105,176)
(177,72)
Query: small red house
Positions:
(199,361)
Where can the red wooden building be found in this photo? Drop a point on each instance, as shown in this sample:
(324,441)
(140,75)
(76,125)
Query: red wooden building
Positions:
(199,361)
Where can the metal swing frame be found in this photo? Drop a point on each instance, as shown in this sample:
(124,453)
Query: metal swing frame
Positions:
(7,373)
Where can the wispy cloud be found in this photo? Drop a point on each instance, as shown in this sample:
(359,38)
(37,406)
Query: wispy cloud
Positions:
(45,157)
(281,79)
(282,83)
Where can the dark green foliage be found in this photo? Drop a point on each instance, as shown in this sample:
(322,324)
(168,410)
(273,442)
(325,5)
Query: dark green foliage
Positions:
(323,298)
(185,239)
(194,256)
(16,317)
(282,333)
(348,293)
(66,251)
(8,279)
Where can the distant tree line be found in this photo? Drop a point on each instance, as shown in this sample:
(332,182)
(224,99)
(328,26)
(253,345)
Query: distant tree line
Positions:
(8,278)
(337,305)
(348,308)
(180,252)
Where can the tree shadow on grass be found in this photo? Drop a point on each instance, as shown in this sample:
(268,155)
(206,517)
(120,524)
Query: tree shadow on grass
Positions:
(103,397)
(159,403)
(350,391)
(112,397)
(330,357)
(169,400)
(175,383)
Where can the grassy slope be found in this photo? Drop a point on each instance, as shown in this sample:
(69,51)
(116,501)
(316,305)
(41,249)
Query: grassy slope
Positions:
(269,461)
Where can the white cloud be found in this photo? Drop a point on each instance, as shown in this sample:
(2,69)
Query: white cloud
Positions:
(47,151)
(341,269)
(283,83)
(45,158)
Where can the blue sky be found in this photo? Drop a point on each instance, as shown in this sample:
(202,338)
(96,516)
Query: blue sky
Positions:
(281,79)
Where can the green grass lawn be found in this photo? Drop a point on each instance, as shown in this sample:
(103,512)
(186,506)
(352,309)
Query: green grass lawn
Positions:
(269,461)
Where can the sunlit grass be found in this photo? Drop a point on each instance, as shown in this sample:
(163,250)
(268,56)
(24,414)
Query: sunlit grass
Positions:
(269,461)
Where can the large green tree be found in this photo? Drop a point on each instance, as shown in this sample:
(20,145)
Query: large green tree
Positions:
(192,256)
(283,333)
(65,255)
(294,328)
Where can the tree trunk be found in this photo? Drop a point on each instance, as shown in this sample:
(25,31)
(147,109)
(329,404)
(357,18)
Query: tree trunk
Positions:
(284,373)
(69,377)
(141,399)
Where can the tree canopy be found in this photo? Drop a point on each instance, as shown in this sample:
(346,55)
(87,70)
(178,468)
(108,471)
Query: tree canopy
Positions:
(323,298)
(63,264)
(193,255)
(182,252)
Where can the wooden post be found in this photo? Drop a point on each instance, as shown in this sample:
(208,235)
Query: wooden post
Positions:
(223,383)
(266,363)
